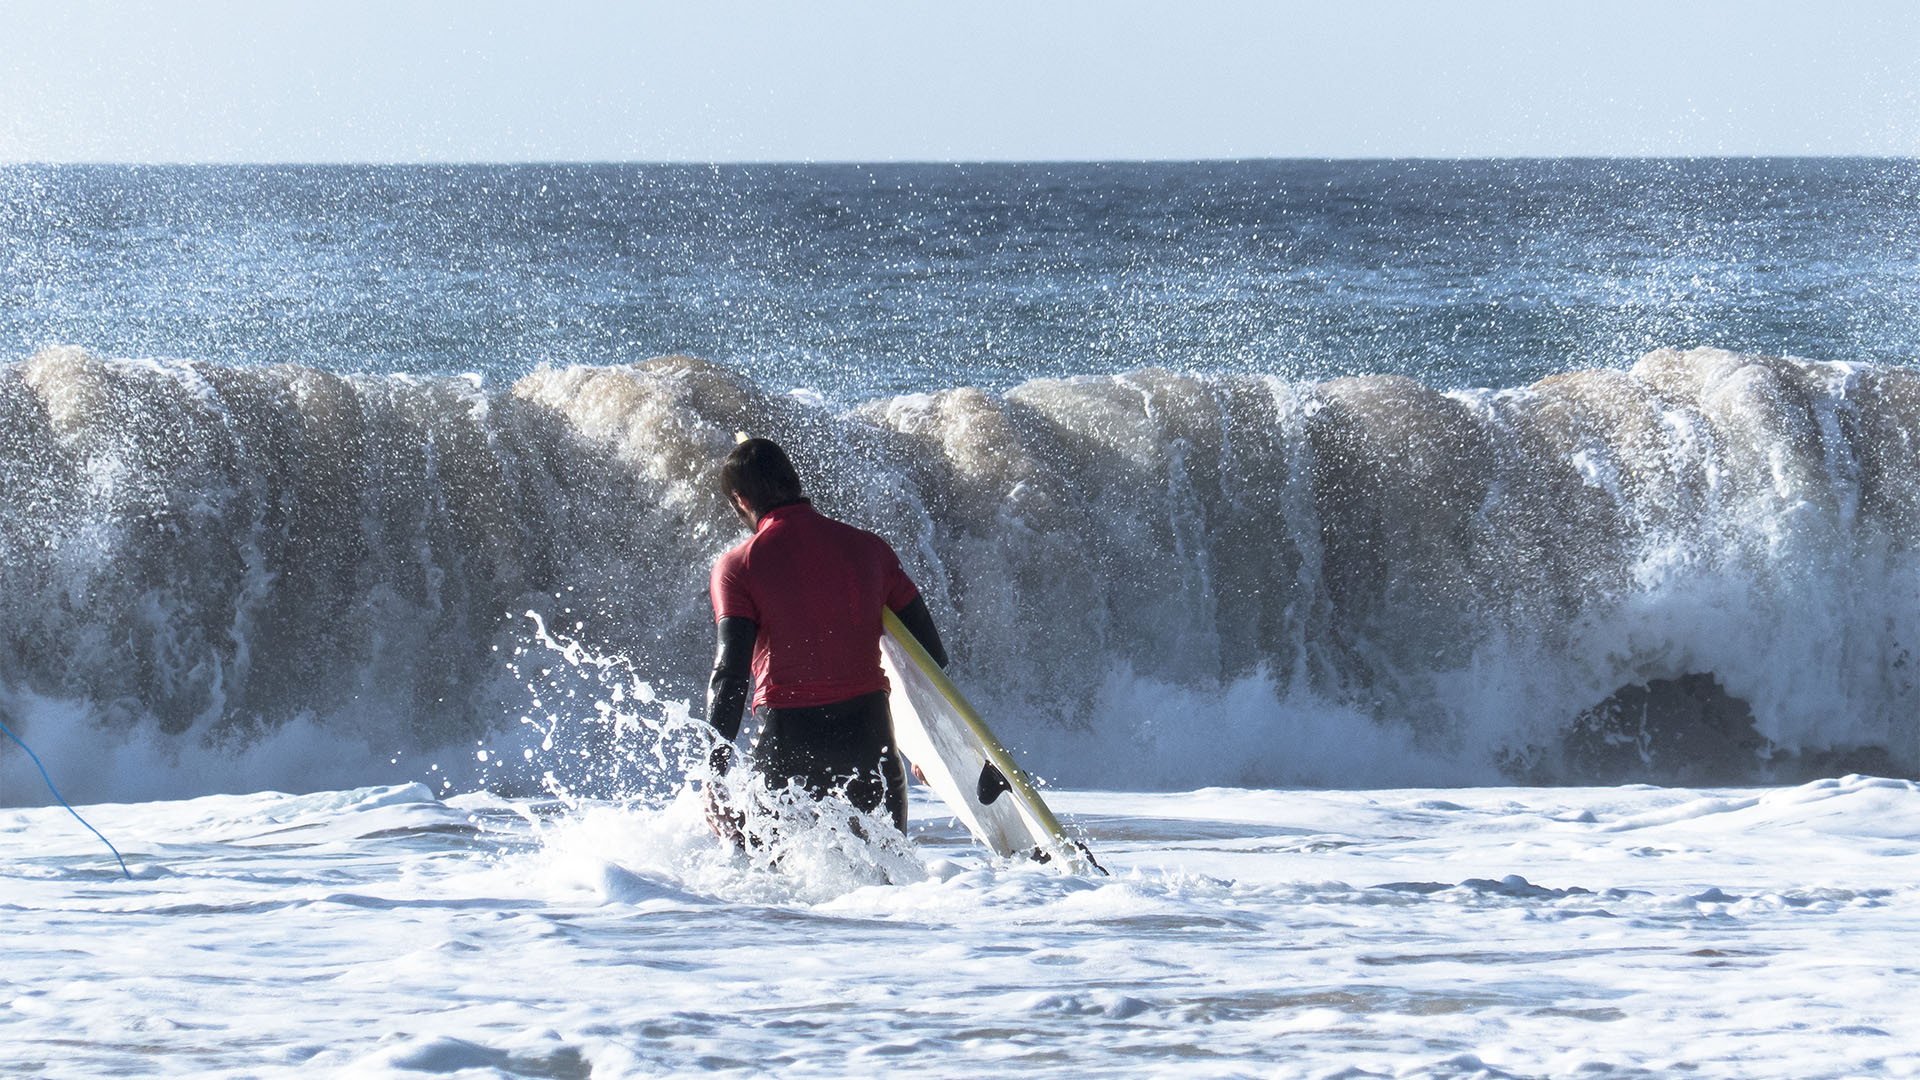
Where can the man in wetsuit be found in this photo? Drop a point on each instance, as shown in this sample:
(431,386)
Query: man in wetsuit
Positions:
(797,607)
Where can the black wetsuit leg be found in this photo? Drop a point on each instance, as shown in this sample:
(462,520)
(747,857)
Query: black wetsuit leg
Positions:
(846,745)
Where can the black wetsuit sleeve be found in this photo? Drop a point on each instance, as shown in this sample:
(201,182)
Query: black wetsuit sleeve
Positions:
(732,674)
(918,619)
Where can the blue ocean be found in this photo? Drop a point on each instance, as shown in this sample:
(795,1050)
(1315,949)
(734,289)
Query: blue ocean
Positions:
(1395,471)
(864,280)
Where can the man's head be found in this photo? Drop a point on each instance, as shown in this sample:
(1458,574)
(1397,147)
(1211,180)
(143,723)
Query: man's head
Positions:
(758,472)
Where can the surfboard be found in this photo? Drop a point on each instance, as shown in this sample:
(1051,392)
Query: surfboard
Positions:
(935,727)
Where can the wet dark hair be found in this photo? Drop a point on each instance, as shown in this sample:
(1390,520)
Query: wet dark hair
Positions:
(759,471)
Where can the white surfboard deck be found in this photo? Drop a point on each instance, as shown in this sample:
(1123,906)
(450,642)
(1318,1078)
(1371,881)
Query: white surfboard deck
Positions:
(963,763)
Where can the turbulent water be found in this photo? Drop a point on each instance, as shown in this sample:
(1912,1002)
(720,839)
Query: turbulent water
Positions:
(1462,934)
(1363,580)
(1264,474)
(1346,543)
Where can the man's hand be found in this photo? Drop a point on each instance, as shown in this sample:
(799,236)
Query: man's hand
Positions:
(726,822)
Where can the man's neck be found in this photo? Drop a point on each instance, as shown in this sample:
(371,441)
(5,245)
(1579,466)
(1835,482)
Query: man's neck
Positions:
(760,516)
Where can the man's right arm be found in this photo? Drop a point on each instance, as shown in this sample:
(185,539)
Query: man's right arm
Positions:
(732,679)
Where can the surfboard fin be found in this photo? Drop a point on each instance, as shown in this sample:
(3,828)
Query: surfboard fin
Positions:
(1042,855)
(992,783)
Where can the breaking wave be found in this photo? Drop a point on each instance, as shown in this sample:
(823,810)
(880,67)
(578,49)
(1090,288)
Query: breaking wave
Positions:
(1701,569)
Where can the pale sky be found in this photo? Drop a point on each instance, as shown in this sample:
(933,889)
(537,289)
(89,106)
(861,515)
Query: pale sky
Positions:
(398,81)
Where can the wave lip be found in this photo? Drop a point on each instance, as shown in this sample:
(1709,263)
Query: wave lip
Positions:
(1366,580)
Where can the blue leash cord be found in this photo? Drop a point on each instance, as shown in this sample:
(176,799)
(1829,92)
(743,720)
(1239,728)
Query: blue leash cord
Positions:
(63,802)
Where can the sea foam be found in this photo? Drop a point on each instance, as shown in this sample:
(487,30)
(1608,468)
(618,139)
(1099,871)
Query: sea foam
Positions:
(1700,568)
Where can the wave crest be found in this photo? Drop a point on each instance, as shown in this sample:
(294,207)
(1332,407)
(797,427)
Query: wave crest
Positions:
(208,554)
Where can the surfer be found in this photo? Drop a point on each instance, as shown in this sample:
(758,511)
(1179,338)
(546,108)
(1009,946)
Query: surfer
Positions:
(797,610)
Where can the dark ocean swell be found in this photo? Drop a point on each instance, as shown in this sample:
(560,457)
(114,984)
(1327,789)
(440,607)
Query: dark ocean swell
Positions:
(1698,570)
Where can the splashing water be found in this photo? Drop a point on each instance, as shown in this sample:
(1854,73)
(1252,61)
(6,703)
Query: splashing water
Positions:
(1368,580)
(632,771)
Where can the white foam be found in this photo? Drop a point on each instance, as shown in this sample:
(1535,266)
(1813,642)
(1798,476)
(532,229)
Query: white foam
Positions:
(1410,932)
(1147,580)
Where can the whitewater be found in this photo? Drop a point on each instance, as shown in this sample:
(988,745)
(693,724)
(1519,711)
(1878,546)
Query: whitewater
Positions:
(1468,606)
(1700,569)
(1613,932)
(546,901)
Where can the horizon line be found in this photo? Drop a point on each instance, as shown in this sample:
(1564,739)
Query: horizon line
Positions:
(872,162)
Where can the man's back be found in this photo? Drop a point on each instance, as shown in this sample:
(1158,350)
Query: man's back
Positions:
(814,587)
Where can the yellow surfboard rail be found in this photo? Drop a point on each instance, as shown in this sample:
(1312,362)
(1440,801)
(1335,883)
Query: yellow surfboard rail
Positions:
(1066,848)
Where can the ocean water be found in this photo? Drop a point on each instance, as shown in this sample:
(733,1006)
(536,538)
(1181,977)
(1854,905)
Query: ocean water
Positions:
(1459,933)
(1467,604)
(860,281)
(1392,472)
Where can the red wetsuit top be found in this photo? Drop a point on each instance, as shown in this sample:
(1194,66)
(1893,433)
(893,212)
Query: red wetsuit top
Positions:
(814,586)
